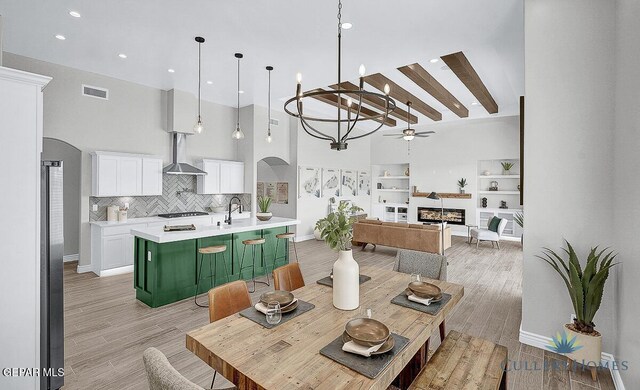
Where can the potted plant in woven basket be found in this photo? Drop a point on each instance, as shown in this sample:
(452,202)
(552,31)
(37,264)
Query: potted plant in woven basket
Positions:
(336,230)
(585,287)
(264,202)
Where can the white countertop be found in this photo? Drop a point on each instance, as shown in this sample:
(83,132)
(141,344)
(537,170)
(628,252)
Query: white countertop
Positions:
(157,234)
(169,221)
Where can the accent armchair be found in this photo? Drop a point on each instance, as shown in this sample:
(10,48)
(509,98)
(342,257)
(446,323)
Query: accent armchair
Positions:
(488,235)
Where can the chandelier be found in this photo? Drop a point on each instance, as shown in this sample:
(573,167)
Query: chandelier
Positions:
(354,116)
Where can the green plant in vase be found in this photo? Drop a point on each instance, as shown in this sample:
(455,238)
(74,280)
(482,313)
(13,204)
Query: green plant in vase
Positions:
(519,219)
(461,184)
(264,203)
(337,231)
(506,167)
(585,287)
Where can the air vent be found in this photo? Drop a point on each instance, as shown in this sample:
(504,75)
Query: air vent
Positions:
(95,92)
(274,122)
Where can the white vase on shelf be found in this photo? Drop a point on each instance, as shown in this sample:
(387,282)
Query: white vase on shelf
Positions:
(346,282)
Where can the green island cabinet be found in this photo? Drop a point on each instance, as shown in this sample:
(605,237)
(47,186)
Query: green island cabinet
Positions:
(168,272)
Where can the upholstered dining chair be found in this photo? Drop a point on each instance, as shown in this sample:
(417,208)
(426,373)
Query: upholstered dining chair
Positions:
(162,376)
(429,265)
(288,277)
(228,299)
(489,235)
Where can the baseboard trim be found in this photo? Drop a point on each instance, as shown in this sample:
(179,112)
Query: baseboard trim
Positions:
(538,341)
(84,269)
(305,238)
(68,258)
(116,271)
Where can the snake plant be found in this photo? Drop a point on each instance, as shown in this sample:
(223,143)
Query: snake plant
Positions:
(585,286)
(336,229)
(506,165)
(264,202)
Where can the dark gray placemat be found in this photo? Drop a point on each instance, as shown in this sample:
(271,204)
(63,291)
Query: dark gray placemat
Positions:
(371,366)
(328,281)
(432,309)
(259,318)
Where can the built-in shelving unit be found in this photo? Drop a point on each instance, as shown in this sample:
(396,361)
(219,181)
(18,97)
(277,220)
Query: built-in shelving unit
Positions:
(508,190)
(390,192)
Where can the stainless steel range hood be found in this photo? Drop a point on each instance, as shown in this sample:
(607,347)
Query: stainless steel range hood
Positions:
(179,150)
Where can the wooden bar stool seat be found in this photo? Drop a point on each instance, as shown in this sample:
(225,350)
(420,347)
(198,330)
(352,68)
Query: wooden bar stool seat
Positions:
(210,252)
(464,361)
(285,236)
(253,243)
(212,249)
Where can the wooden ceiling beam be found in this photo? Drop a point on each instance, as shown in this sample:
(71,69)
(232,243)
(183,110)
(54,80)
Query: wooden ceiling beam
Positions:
(365,112)
(424,80)
(377,102)
(461,66)
(403,96)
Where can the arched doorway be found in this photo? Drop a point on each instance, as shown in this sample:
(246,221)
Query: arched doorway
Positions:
(277,179)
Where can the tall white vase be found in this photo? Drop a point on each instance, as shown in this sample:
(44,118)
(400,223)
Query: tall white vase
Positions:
(346,282)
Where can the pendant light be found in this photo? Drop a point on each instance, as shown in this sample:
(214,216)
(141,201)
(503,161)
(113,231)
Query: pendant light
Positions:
(238,134)
(198,127)
(269,139)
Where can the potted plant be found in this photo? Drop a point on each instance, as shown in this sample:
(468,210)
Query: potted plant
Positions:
(506,167)
(585,290)
(264,202)
(461,184)
(336,230)
(519,219)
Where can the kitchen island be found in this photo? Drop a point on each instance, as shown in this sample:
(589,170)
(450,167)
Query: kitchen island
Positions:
(166,264)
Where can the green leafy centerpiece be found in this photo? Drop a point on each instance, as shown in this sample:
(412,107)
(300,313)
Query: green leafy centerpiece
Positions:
(337,231)
(264,203)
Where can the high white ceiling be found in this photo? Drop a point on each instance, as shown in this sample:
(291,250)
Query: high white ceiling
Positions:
(292,35)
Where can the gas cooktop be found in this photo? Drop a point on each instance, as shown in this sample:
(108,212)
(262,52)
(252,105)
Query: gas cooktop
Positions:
(183,214)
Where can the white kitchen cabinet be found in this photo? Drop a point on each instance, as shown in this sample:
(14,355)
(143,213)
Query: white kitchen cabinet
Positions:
(231,177)
(209,183)
(123,174)
(112,248)
(151,176)
(223,177)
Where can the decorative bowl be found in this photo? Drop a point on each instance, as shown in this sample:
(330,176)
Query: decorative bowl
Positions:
(367,331)
(425,290)
(264,216)
(282,297)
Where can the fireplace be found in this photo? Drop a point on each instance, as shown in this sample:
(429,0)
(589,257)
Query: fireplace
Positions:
(432,215)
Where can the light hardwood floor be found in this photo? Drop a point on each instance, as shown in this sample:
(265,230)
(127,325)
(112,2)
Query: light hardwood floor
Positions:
(107,329)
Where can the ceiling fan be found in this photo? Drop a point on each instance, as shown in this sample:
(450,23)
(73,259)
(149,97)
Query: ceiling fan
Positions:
(408,134)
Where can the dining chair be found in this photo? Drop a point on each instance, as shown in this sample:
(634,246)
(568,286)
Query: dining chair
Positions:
(288,277)
(228,299)
(162,376)
(429,265)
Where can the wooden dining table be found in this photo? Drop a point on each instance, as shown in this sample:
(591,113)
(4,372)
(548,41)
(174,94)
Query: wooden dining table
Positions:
(287,356)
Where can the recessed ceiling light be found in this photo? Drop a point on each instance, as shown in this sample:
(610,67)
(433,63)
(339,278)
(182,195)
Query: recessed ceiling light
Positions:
(433,61)
(240,91)
(75,14)
(122,55)
(209,82)
(61,37)
(474,103)
(347,25)
(171,70)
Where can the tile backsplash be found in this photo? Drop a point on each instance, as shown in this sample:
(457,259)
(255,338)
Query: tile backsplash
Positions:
(178,194)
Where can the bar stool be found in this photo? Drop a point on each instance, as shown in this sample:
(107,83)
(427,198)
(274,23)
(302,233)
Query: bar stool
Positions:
(253,243)
(285,236)
(212,254)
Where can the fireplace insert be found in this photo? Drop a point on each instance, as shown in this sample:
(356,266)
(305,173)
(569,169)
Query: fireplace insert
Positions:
(432,215)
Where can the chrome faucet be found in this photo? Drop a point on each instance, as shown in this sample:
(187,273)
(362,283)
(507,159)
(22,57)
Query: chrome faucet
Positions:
(228,220)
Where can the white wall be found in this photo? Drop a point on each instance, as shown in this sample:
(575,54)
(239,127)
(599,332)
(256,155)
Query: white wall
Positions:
(438,162)
(627,186)
(569,114)
(313,152)
(130,121)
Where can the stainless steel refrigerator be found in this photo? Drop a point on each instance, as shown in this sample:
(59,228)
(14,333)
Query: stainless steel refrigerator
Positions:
(51,268)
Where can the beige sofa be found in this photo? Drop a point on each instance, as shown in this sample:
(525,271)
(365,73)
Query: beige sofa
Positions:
(417,237)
